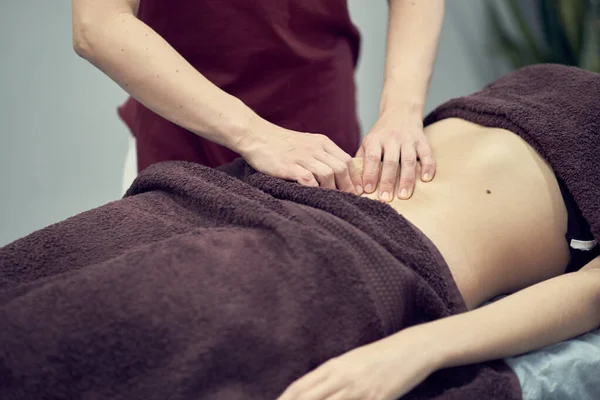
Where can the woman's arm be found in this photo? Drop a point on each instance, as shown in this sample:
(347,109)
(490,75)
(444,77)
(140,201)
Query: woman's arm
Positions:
(413,33)
(535,317)
(109,35)
(543,314)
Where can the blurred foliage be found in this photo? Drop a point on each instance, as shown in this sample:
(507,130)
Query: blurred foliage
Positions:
(566,32)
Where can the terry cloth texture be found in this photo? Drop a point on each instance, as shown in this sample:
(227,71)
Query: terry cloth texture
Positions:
(208,284)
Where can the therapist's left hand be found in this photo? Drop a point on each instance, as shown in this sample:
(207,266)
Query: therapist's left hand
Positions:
(398,140)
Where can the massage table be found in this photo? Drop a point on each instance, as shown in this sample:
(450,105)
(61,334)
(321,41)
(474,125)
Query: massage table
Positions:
(565,371)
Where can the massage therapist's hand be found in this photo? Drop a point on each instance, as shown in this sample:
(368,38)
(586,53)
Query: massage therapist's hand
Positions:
(309,159)
(383,370)
(398,140)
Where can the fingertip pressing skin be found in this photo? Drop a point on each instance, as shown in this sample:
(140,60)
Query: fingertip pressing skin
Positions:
(371,173)
(427,172)
(427,161)
(372,164)
(408,172)
(389,175)
(359,163)
(355,178)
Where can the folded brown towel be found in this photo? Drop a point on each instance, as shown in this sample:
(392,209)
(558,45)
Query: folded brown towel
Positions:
(206,284)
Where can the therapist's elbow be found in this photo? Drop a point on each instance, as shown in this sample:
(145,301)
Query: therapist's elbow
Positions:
(91,27)
(87,20)
(94,21)
(81,42)
(86,35)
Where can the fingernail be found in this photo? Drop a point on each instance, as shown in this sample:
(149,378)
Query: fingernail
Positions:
(369,188)
(426,177)
(359,190)
(404,194)
(385,196)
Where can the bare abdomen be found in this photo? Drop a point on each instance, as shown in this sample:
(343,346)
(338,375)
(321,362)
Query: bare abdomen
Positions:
(494,210)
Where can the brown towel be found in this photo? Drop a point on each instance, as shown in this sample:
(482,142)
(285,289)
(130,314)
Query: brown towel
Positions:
(206,284)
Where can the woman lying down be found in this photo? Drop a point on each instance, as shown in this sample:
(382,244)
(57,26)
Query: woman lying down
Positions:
(206,284)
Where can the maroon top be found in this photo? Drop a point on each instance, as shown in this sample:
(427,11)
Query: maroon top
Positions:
(292,62)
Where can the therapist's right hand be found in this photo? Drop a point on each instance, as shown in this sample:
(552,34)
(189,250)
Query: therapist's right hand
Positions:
(307,158)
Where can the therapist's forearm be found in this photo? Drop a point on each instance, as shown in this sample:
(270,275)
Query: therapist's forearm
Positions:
(150,70)
(541,315)
(413,34)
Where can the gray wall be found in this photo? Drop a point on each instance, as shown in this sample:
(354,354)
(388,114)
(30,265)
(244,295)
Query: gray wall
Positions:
(464,63)
(62,146)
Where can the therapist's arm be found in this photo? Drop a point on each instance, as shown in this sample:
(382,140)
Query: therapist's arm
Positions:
(109,35)
(413,33)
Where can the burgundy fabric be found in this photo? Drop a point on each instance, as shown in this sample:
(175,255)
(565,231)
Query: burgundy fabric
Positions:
(201,285)
(292,62)
(556,109)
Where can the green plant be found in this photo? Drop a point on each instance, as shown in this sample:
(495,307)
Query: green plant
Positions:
(566,32)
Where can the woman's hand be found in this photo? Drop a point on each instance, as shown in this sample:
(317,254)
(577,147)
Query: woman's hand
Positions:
(309,159)
(384,370)
(396,137)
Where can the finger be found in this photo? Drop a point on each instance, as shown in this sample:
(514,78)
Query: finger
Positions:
(427,161)
(323,173)
(344,394)
(355,177)
(408,171)
(361,152)
(323,391)
(353,174)
(340,172)
(372,161)
(299,388)
(302,176)
(389,171)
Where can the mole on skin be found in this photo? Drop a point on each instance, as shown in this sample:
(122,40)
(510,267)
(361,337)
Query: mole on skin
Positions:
(488,191)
